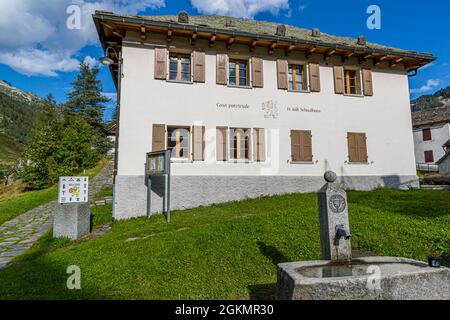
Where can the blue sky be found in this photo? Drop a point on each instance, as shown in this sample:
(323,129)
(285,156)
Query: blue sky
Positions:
(43,55)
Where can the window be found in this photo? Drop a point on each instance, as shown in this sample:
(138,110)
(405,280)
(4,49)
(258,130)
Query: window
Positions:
(426,134)
(301,146)
(352,82)
(357,148)
(239,144)
(297,78)
(238,73)
(429,156)
(180,67)
(178,142)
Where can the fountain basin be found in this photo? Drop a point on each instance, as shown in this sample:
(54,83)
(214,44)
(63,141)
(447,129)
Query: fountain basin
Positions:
(368,278)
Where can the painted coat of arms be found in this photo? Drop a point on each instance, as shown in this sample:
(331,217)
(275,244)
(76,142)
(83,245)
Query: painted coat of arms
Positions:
(270,109)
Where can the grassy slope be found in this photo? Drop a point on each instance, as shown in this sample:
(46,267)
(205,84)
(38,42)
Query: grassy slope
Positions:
(14,204)
(226,251)
(9,150)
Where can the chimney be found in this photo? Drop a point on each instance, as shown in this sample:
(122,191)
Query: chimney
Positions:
(281,30)
(362,40)
(315,33)
(229,22)
(183,17)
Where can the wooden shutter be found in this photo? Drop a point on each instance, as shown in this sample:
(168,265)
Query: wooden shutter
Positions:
(367,82)
(358,82)
(199,143)
(161,63)
(305,146)
(221,144)
(257,72)
(426,134)
(221,69)
(295,145)
(199,66)
(259,145)
(338,79)
(282,70)
(158,137)
(362,147)
(429,156)
(357,147)
(314,77)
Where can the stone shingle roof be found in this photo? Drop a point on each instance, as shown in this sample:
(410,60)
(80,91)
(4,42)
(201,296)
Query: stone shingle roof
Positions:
(430,116)
(269,28)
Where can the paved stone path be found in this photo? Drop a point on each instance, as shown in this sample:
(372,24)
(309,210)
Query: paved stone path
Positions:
(19,234)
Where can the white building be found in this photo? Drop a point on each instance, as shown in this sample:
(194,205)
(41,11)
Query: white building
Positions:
(250,108)
(431,129)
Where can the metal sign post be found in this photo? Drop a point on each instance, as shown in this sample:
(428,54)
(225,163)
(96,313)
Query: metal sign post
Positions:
(158,164)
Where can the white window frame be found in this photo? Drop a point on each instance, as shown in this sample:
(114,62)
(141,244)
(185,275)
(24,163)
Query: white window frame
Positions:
(306,65)
(184,159)
(189,53)
(359,71)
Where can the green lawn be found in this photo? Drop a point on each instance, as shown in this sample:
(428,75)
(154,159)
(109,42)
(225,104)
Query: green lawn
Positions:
(20,202)
(226,251)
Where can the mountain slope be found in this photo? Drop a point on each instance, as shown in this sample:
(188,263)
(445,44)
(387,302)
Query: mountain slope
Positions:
(17,112)
(439,99)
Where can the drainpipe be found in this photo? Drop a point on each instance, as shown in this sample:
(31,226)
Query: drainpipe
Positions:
(413,74)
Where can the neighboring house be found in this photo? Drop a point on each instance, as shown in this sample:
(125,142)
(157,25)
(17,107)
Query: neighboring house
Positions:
(444,162)
(431,129)
(251,108)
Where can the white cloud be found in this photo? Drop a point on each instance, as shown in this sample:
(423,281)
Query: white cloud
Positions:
(430,85)
(34,38)
(239,8)
(302,7)
(91,62)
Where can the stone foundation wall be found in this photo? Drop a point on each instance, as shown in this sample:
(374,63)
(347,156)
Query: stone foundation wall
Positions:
(193,191)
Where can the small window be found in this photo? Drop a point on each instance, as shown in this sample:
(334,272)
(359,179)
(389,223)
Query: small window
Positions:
(352,82)
(426,134)
(238,73)
(178,142)
(429,156)
(297,77)
(240,144)
(180,67)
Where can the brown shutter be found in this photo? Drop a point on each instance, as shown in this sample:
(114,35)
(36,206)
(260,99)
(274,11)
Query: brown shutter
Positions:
(161,63)
(306,146)
(158,137)
(282,69)
(295,145)
(257,72)
(221,69)
(367,82)
(199,145)
(352,147)
(358,82)
(199,66)
(338,79)
(314,77)
(259,145)
(221,143)
(362,147)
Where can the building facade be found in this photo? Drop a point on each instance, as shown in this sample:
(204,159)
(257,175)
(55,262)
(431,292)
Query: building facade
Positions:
(250,108)
(431,129)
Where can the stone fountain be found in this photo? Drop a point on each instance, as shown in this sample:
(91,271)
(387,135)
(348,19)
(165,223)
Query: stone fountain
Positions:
(338,276)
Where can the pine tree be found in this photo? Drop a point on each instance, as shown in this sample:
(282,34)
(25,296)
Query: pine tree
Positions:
(86,97)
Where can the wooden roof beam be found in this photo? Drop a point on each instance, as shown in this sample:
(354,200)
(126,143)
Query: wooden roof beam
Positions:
(329,53)
(347,55)
(272,47)
(119,33)
(310,51)
(290,48)
(212,40)
(230,42)
(377,62)
(143,35)
(253,45)
(193,38)
(395,62)
(169,35)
